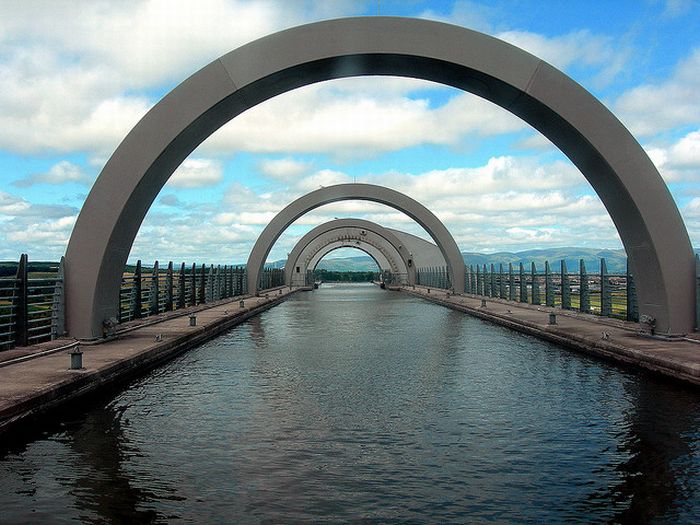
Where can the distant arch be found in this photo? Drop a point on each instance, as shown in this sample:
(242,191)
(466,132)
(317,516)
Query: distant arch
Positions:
(372,251)
(614,163)
(318,237)
(356,191)
(383,264)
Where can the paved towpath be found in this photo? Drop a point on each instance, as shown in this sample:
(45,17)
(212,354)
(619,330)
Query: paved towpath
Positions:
(610,338)
(38,378)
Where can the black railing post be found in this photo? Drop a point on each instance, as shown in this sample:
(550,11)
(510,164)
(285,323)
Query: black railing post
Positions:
(136,304)
(583,292)
(181,288)
(202,285)
(501,282)
(548,285)
(535,285)
(227,282)
(193,285)
(605,293)
(511,283)
(154,291)
(565,287)
(22,303)
(632,310)
(169,288)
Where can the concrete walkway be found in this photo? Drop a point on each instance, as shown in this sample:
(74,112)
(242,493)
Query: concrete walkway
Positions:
(606,337)
(38,378)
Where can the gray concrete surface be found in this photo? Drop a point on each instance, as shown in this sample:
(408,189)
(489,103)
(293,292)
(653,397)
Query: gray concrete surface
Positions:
(31,387)
(609,338)
(614,163)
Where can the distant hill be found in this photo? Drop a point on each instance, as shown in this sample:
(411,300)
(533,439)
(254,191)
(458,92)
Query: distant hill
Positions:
(360,263)
(615,259)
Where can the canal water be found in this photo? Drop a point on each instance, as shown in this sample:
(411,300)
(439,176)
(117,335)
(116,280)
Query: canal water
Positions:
(357,405)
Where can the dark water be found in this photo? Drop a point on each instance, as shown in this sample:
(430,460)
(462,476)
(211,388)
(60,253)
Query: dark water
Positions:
(352,404)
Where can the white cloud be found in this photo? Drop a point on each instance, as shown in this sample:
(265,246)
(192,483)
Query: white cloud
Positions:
(679,161)
(656,107)
(75,76)
(285,169)
(196,173)
(11,205)
(61,173)
(42,230)
(320,179)
(324,118)
(579,48)
(499,174)
(467,14)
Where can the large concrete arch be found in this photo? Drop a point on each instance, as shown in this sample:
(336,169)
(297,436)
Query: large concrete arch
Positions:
(356,191)
(341,227)
(619,170)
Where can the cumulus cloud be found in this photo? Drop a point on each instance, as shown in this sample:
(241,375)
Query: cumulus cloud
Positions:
(39,229)
(81,84)
(679,161)
(285,169)
(580,48)
(196,173)
(324,119)
(657,107)
(61,173)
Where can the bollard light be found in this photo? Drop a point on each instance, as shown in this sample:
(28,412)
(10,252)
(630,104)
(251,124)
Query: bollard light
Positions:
(483,303)
(193,320)
(76,358)
(552,318)
(241,304)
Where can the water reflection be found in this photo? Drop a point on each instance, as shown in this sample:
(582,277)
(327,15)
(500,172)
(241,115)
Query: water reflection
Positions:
(656,454)
(103,491)
(357,405)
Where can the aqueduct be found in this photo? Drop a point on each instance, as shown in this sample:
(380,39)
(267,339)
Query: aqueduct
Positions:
(614,163)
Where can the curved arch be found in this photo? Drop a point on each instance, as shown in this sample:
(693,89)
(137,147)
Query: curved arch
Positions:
(359,224)
(370,250)
(311,260)
(619,170)
(356,191)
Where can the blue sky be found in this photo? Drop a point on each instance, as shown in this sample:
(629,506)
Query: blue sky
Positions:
(75,77)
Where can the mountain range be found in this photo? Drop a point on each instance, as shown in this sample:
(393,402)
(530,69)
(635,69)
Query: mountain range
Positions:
(616,260)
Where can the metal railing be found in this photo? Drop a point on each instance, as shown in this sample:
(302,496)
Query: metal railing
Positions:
(601,293)
(32,303)
(154,291)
